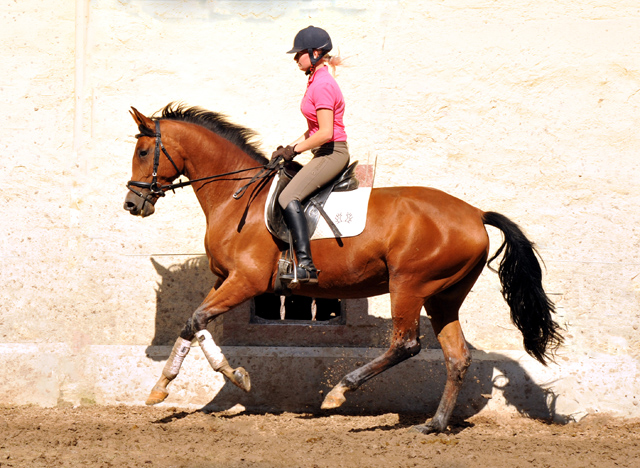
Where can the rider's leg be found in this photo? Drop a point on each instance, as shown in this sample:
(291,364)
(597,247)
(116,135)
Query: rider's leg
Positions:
(329,160)
(306,271)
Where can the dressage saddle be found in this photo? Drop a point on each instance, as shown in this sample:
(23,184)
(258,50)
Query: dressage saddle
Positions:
(313,206)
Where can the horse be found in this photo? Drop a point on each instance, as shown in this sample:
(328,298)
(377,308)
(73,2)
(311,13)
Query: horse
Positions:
(422,246)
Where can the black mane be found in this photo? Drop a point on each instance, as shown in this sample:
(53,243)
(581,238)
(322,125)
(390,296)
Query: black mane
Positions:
(218,123)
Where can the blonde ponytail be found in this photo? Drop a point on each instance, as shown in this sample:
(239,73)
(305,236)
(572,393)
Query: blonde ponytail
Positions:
(333,61)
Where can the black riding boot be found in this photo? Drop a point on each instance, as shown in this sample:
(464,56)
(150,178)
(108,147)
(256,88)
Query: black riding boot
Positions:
(297,224)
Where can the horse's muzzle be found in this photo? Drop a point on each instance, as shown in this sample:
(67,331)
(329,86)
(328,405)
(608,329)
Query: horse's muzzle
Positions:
(139,206)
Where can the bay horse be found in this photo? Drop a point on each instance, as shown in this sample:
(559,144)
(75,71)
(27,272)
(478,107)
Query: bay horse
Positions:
(421,246)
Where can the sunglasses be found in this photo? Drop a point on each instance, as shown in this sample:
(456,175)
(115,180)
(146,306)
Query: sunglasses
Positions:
(300,54)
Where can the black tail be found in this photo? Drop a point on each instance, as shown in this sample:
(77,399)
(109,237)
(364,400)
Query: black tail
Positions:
(521,279)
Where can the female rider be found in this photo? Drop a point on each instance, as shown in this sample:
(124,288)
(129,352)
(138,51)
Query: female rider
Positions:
(323,107)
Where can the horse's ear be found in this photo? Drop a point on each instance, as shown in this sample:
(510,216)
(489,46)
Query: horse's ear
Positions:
(142,121)
(162,271)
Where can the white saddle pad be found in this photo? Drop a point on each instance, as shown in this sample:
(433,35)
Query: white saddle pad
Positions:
(347,210)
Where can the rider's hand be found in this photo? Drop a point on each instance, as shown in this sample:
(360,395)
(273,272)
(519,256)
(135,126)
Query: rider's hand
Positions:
(287,153)
(276,153)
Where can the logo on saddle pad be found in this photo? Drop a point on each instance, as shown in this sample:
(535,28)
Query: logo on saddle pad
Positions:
(338,210)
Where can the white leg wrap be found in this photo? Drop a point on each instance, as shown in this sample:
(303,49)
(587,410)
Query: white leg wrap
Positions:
(178,353)
(211,350)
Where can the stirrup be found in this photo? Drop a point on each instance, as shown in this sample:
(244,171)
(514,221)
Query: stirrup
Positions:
(302,274)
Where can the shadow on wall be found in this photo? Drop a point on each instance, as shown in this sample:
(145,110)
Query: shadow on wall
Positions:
(184,286)
(182,289)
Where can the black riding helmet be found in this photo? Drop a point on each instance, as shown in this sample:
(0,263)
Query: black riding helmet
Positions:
(310,39)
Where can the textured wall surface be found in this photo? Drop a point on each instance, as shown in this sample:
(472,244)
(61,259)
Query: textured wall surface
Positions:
(528,108)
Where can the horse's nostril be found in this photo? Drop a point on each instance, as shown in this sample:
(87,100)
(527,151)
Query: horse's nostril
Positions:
(129,206)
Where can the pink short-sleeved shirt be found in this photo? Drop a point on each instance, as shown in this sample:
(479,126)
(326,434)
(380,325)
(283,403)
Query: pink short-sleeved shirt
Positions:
(324,93)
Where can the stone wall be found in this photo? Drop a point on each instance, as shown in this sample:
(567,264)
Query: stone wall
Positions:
(528,108)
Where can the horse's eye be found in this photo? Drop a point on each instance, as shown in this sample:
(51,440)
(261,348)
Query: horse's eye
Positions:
(143,153)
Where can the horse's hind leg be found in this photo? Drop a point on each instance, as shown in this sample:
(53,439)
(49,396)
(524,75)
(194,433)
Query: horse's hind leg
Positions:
(443,309)
(457,359)
(404,344)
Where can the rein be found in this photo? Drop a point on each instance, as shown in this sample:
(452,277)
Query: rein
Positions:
(156,190)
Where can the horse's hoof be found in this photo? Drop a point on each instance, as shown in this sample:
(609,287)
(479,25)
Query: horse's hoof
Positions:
(424,429)
(156,396)
(333,400)
(240,378)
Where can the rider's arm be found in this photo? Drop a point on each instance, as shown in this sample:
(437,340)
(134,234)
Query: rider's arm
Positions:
(323,135)
(301,139)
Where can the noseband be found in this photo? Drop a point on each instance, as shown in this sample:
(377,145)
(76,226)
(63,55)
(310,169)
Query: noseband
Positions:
(156,190)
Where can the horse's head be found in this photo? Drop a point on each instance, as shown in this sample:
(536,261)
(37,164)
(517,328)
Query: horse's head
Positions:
(152,167)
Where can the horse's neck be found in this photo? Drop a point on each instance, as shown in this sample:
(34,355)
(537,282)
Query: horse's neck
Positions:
(213,157)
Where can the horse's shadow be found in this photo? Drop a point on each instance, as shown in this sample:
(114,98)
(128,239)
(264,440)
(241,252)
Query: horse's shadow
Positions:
(183,287)
(181,290)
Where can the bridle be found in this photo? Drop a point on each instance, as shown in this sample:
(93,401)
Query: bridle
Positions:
(156,190)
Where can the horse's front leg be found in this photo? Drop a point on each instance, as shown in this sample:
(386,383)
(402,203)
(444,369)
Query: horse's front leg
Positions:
(159,391)
(217,302)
